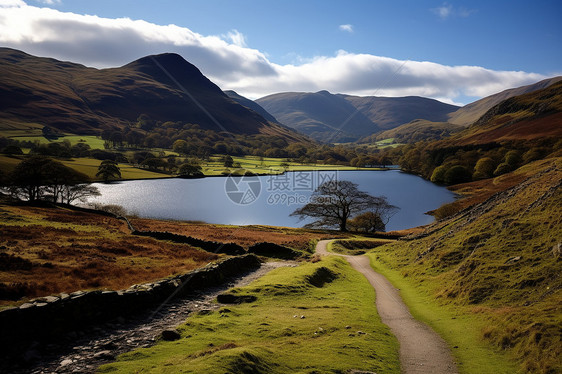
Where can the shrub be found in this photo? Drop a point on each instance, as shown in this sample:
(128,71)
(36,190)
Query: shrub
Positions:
(447,210)
(457,174)
(438,175)
(484,168)
(503,168)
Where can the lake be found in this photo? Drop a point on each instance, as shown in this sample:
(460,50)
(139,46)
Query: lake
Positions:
(269,200)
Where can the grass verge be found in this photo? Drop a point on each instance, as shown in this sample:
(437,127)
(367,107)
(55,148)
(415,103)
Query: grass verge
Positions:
(317,317)
(455,325)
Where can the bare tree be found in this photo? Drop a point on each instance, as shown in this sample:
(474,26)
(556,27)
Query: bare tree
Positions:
(333,203)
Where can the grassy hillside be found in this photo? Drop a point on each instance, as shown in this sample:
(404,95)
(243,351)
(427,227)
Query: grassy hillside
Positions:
(470,113)
(315,318)
(534,115)
(418,130)
(513,133)
(46,250)
(498,263)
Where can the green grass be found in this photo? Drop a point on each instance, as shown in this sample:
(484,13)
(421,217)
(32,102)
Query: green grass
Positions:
(89,166)
(356,246)
(269,335)
(457,326)
(495,270)
(265,165)
(93,141)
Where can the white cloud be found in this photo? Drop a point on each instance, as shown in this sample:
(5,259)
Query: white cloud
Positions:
(236,38)
(446,11)
(346,28)
(103,42)
(11,3)
(49,2)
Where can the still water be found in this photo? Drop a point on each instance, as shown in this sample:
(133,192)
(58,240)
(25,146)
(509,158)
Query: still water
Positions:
(269,200)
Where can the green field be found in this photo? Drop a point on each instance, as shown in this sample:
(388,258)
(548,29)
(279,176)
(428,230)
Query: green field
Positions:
(265,165)
(315,318)
(89,166)
(93,141)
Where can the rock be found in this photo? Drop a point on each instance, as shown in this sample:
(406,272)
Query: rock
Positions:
(65,362)
(104,355)
(111,346)
(48,299)
(170,335)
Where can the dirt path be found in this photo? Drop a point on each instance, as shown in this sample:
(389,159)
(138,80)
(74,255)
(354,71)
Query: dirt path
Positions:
(421,349)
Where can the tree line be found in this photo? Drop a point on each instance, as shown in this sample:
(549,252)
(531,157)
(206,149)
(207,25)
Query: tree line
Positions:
(40,178)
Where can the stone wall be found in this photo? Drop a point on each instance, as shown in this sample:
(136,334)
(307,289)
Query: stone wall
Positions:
(232,249)
(45,318)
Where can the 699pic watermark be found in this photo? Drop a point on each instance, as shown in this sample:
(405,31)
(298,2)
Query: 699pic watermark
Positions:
(295,188)
(290,188)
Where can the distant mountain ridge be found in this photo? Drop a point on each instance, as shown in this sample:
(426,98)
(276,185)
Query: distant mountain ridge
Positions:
(338,117)
(78,99)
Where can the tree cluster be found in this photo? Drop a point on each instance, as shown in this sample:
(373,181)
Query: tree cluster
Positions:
(459,164)
(42,178)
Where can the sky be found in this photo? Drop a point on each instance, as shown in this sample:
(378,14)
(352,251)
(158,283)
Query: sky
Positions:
(454,51)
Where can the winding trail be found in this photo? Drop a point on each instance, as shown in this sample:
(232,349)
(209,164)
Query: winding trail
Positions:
(421,349)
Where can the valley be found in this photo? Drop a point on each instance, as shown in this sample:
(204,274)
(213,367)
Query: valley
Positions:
(172,269)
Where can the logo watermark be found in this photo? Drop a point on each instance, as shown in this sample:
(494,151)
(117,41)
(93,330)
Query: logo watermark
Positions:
(290,188)
(243,189)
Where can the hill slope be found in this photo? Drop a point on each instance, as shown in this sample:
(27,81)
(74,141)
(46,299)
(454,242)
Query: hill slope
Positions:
(328,117)
(499,262)
(390,112)
(418,130)
(535,115)
(250,104)
(468,114)
(78,99)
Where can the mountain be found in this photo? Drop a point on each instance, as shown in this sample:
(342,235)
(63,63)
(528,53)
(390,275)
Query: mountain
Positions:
(390,112)
(250,104)
(418,130)
(533,116)
(328,117)
(321,115)
(78,99)
(470,113)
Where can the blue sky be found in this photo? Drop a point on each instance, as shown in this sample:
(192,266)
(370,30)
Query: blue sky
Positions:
(455,51)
